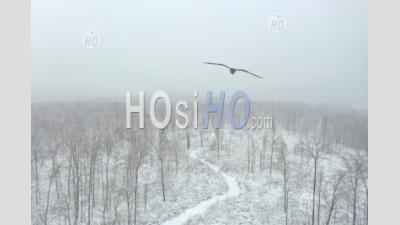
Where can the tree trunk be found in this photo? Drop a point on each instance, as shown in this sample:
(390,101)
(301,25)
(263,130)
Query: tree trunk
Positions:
(355,200)
(314,187)
(48,201)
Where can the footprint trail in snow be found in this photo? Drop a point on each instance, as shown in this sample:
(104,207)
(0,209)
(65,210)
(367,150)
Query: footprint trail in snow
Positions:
(233,191)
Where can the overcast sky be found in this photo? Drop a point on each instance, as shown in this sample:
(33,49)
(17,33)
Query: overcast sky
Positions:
(320,56)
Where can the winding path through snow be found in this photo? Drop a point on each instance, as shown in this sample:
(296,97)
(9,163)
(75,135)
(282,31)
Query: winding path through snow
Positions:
(234,190)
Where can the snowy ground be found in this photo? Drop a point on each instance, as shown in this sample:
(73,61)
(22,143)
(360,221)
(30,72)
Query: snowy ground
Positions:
(260,201)
(199,209)
(209,190)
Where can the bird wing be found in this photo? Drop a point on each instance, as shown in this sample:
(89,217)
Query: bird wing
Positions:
(242,70)
(217,64)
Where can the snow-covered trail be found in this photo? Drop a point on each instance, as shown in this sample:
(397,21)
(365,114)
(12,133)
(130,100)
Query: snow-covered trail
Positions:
(234,190)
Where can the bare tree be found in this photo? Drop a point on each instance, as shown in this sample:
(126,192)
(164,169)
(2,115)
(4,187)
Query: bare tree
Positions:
(273,142)
(55,168)
(316,149)
(334,197)
(364,178)
(263,152)
(354,164)
(282,149)
(161,142)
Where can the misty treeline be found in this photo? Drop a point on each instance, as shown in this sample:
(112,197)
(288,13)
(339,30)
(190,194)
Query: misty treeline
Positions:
(85,164)
(337,125)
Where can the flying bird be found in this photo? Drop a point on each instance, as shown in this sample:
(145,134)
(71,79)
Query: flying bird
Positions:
(233,70)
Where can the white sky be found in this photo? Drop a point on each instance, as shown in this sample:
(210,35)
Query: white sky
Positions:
(151,45)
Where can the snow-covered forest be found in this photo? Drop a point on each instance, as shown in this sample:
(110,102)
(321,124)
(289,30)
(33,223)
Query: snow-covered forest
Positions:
(310,169)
